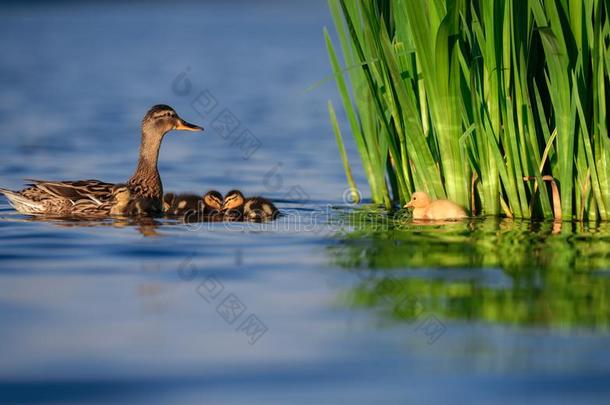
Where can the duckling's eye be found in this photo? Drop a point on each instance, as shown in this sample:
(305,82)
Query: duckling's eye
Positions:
(414,198)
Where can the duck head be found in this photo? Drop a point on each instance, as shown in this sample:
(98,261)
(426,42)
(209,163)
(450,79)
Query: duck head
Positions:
(213,199)
(162,118)
(234,200)
(146,181)
(419,199)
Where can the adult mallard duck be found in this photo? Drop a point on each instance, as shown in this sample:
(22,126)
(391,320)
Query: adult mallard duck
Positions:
(63,197)
(119,203)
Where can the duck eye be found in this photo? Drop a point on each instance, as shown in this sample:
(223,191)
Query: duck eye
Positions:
(414,198)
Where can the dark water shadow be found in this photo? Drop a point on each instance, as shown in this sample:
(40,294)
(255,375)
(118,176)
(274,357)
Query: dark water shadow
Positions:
(147,226)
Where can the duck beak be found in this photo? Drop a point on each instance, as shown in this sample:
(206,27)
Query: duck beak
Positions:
(408,205)
(182,125)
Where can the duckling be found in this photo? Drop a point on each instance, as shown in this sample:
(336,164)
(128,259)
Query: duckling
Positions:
(259,209)
(182,204)
(123,202)
(169,200)
(121,197)
(424,208)
(233,206)
(212,204)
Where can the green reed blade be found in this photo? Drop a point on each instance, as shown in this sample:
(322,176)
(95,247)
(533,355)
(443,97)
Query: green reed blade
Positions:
(505,88)
(348,171)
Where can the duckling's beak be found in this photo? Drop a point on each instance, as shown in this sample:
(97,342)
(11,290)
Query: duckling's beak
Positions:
(409,205)
(229,205)
(182,125)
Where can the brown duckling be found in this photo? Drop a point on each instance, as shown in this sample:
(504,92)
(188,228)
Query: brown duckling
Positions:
(208,206)
(212,204)
(425,208)
(181,204)
(121,198)
(233,206)
(169,199)
(259,209)
(124,203)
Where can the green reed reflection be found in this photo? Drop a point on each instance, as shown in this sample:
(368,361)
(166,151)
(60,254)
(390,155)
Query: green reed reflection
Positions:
(491,270)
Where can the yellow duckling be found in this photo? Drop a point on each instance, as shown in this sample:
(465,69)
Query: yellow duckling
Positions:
(424,208)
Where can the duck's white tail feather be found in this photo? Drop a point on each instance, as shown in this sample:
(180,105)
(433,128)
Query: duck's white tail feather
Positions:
(22,204)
